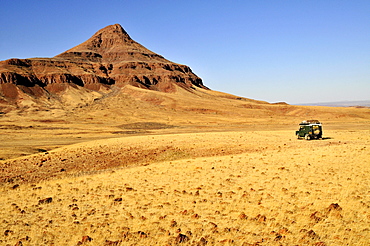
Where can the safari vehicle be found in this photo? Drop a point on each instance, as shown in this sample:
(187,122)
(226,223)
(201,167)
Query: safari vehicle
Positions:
(309,129)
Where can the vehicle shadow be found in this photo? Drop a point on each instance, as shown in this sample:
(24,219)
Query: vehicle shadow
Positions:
(325,138)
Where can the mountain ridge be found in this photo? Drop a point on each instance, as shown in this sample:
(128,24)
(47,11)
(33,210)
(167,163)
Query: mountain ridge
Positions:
(359,103)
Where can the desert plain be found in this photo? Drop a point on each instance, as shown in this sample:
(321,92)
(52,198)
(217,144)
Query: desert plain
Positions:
(145,167)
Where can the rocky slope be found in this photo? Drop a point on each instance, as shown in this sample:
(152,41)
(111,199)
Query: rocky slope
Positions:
(110,57)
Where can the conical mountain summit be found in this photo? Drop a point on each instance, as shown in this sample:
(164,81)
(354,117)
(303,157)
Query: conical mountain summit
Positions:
(110,57)
(111,44)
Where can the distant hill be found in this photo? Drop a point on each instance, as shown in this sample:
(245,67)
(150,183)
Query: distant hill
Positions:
(365,103)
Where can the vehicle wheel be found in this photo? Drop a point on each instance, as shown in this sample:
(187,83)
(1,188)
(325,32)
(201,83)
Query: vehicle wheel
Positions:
(307,137)
(298,137)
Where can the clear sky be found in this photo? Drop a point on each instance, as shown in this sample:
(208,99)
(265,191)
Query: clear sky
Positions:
(296,51)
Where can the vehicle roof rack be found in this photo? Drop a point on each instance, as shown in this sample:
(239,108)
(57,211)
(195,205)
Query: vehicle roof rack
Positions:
(309,122)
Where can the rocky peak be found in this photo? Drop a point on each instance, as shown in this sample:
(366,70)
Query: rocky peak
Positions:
(111,44)
(109,59)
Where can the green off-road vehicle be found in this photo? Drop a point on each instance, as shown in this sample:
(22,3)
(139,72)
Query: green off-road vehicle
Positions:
(309,129)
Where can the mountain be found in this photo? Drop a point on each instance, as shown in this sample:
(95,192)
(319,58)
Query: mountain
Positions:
(109,59)
(365,103)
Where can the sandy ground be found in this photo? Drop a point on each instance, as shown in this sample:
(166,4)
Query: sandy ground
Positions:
(216,188)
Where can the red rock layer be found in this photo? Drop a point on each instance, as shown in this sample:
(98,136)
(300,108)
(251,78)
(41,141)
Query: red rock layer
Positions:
(109,57)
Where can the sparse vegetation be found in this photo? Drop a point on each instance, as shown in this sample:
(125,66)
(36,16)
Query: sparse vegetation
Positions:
(270,195)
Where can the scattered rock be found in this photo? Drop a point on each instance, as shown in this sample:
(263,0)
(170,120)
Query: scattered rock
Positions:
(316,216)
(243,216)
(283,231)
(334,210)
(84,239)
(260,218)
(227,241)
(46,200)
(278,237)
(181,238)
(311,234)
(112,243)
(173,223)
(7,232)
(195,216)
(142,234)
(202,242)
(334,207)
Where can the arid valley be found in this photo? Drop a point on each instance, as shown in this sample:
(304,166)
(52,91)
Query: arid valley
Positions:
(175,164)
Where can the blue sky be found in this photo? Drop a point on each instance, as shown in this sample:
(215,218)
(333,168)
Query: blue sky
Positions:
(297,51)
